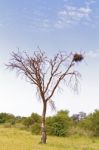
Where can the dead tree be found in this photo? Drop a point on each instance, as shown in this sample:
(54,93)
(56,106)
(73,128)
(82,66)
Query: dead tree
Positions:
(46,74)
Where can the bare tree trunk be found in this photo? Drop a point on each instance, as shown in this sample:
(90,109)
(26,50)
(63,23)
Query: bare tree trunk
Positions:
(43,127)
(46,74)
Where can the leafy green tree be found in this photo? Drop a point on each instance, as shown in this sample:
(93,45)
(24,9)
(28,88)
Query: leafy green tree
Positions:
(7,118)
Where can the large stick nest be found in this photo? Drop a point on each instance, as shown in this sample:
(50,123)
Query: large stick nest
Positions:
(77,57)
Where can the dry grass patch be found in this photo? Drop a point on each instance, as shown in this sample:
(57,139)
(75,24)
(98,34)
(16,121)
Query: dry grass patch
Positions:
(15,139)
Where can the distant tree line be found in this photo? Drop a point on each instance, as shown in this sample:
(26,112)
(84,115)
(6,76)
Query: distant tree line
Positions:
(60,124)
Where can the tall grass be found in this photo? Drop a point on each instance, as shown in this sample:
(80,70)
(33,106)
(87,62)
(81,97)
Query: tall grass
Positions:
(15,139)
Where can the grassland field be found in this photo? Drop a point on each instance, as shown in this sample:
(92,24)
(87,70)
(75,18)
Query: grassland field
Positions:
(16,139)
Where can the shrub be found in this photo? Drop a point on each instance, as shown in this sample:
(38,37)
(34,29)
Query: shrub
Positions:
(35,129)
(29,121)
(58,125)
(91,122)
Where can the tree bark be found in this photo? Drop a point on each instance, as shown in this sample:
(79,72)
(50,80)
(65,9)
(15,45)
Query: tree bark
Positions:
(43,127)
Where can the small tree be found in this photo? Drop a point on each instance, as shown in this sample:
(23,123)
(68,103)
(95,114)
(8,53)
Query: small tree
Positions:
(46,74)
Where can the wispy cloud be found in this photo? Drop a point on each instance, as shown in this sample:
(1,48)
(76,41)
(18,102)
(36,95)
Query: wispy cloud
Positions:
(37,19)
(43,17)
(93,54)
(72,14)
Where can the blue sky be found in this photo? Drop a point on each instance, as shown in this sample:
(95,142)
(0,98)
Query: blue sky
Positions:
(53,25)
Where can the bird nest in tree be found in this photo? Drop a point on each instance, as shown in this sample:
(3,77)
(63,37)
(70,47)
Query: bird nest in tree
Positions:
(78,57)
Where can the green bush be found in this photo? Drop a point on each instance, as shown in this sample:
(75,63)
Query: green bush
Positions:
(36,118)
(58,125)
(29,121)
(91,122)
(35,129)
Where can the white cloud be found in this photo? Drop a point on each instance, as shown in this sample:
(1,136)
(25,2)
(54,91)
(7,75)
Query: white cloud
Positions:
(72,14)
(85,10)
(46,19)
(93,54)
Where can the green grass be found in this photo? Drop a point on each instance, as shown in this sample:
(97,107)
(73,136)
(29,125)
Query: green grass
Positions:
(15,139)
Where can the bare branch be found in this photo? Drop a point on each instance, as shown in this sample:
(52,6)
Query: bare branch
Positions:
(55,64)
(52,105)
(44,72)
(62,76)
